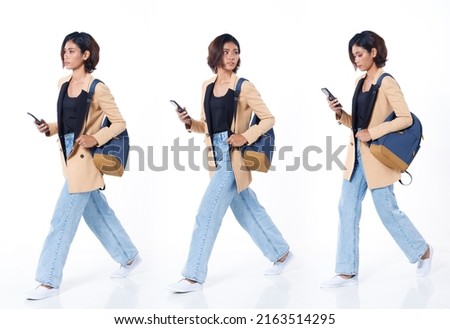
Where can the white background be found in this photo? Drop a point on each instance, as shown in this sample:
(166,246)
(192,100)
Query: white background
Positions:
(155,51)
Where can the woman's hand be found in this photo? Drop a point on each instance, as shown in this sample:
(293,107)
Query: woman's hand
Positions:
(184,117)
(237,140)
(86,141)
(43,127)
(363,135)
(335,106)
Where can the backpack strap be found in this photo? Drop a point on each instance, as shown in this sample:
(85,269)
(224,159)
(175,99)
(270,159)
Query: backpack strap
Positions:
(90,95)
(237,91)
(380,78)
(91,91)
(238,88)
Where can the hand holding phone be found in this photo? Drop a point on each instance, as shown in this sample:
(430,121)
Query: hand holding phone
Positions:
(36,120)
(179,109)
(177,106)
(41,124)
(330,96)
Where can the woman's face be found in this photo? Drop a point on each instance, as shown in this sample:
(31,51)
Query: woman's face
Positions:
(230,57)
(364,60)
(73,58)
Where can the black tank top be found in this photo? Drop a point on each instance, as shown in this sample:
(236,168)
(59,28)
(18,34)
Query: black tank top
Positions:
(69,113)
(221,119)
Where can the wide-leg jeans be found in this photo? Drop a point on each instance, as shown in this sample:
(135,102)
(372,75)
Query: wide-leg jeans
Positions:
(100,218)
(219,195)
(396,222)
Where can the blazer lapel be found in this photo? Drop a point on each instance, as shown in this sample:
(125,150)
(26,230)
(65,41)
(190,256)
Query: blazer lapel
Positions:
(59,115)
(355,104)
(206,105)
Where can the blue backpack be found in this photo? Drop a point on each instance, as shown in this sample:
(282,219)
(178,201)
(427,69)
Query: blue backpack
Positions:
(258,155)
(398,149)
(110,158)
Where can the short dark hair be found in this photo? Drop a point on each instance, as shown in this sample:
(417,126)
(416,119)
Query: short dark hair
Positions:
(369,40)
(86,42)
(215,51)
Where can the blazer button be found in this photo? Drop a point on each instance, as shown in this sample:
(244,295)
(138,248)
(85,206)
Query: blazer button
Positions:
(82,156)
(207,135)
(209,148)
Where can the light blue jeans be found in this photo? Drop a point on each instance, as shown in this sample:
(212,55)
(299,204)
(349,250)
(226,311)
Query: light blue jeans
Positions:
(219,195)
(67,214)
(397,223)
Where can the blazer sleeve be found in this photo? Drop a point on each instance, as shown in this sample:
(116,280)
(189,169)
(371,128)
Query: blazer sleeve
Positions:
(345,119)
(53,129)
(254,101)
(199,126)
(394,99)
(103,100)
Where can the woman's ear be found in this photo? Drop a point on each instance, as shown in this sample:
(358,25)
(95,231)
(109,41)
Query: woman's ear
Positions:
(86,55)
(373,52)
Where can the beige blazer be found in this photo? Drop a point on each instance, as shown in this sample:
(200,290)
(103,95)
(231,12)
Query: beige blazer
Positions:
(79,170)
(249,101)
(390,98)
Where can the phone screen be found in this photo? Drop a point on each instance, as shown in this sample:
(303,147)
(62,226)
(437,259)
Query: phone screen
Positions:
(179,108)
(328,93)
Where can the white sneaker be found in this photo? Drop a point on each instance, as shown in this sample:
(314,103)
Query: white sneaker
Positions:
(338,281)
(424,265)
(124,270)
(184,285)
(278,267)
(41,292)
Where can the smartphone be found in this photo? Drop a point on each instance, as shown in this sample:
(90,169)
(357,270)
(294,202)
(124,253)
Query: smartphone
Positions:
(36,120)
(329,95)
(179,108)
